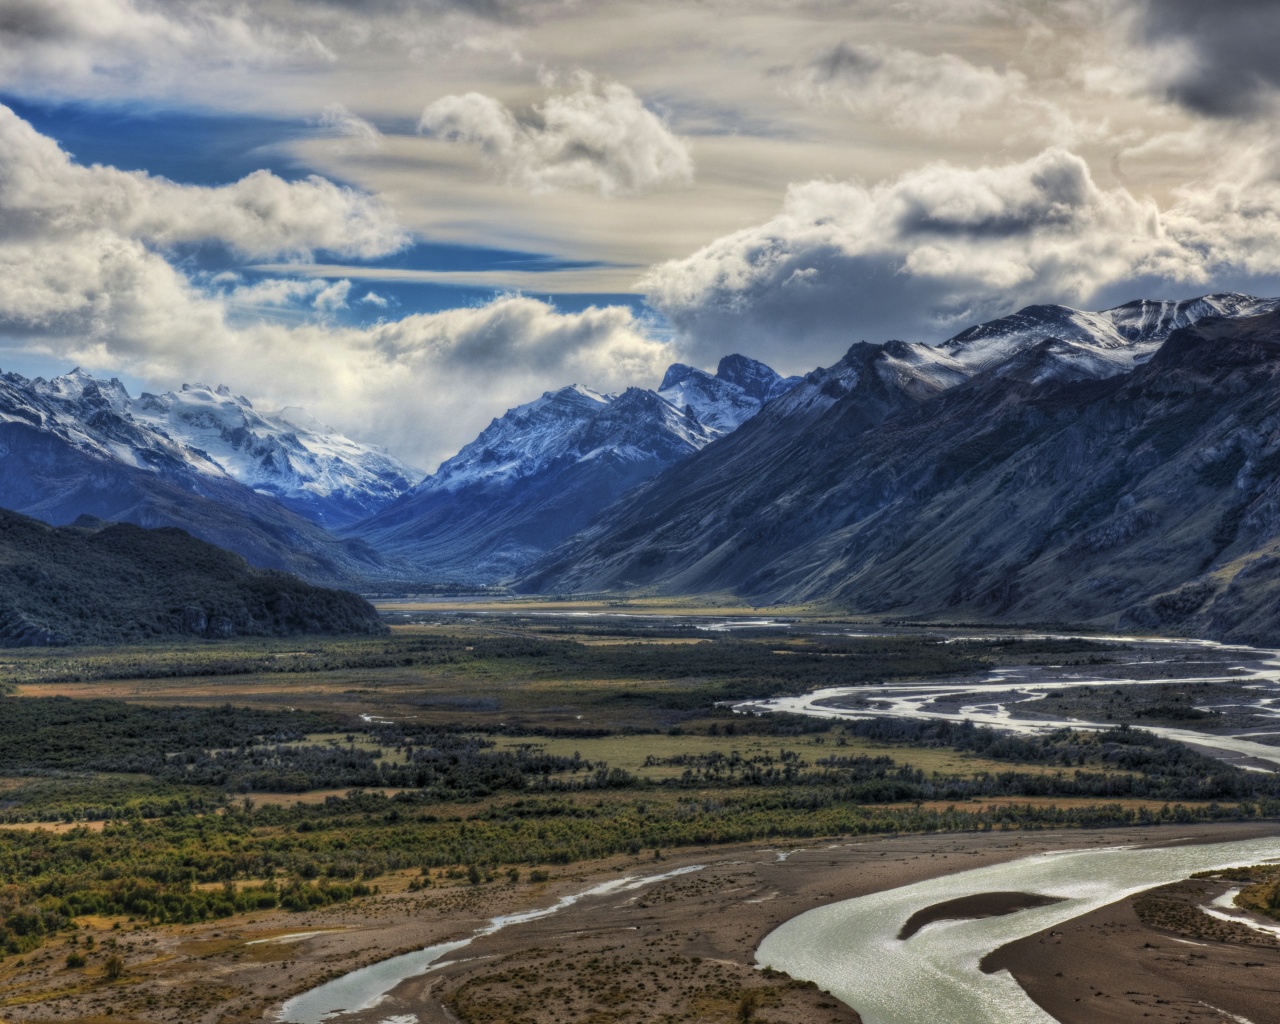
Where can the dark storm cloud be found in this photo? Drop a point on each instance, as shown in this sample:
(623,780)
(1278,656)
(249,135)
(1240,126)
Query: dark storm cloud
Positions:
(1232,65)
(30,20)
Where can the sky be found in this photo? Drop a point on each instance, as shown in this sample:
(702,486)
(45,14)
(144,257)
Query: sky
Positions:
(407,216)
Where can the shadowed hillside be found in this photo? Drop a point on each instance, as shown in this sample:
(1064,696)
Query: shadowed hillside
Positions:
(1032,492)
(96,584)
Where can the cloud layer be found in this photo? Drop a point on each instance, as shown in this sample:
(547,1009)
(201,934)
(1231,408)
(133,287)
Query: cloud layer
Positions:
(864,169)
(930,93)
(1218,58)
(88,274)
(942,247)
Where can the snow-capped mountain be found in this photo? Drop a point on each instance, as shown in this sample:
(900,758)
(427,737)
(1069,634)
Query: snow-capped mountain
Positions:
(294,458)
(89,415)
(723,401)
(522,442)
(542,470)
(306,465)
(1087,344)
(979,474)
(72,446)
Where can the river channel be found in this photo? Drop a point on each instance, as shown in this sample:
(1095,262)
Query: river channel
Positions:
(363,989)
(1014,699)
(852,948)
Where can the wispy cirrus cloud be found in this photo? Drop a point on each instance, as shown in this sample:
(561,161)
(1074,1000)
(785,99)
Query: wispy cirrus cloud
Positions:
(929,92)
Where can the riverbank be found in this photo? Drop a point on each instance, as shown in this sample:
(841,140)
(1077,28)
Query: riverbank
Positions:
(683,945)
(1114,967)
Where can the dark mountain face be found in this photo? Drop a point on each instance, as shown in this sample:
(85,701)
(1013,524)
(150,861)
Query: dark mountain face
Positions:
(1149,498)
(96,584)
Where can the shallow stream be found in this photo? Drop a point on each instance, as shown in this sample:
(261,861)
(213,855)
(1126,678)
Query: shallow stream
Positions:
(363,989)
(851,948)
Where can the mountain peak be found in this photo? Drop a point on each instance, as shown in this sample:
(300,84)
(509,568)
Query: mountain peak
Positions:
(677,373)
(754,377)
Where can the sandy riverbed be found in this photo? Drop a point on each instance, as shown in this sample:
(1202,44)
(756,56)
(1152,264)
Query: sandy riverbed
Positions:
(681,946)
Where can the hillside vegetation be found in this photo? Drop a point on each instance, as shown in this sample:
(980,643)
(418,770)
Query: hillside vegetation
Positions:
(95,584)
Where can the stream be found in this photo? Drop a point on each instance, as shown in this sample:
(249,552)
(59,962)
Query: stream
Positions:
(363,989)
(1014,699)
(851,948)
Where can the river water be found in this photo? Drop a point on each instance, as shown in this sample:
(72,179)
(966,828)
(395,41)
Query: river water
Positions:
(851,948)
(1013,699)
(363,989)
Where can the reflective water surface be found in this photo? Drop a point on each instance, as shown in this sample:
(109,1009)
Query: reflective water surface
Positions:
(851,948)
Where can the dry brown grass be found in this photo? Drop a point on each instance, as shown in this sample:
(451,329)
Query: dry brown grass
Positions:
(54,826)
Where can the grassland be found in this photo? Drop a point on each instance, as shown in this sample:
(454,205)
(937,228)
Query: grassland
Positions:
(190,781)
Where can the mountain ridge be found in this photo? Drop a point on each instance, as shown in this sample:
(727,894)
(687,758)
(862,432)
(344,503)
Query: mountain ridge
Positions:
(540,471)
(1007,494)
(95,582)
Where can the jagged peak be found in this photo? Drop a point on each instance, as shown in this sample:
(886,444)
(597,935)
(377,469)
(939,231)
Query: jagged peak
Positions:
(678,373)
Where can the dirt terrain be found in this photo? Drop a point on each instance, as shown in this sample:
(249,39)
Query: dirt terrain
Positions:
(681,949)
(1155,956)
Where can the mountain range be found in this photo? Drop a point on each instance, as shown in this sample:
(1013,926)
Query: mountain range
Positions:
(542,471)
(1125,474)
(1054,465)
(77,446)
(287,492)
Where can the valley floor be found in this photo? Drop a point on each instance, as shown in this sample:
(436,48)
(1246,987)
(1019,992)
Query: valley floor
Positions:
(681,949)
(195,832)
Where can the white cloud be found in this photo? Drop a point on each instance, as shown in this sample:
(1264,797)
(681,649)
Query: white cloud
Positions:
(943,246)
(44,194)
(85,278)
(174,48)
(931,93)
(599,136)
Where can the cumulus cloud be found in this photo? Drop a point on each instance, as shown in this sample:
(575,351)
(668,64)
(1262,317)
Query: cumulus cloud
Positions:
(1216,58)
(943,246)
(87,276)
(44,194)
(599,136)
(913,90)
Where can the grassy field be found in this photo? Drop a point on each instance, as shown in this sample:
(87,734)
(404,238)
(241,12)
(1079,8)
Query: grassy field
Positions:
(169,784)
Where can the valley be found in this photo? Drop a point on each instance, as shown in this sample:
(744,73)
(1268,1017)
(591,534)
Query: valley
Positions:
(343,800)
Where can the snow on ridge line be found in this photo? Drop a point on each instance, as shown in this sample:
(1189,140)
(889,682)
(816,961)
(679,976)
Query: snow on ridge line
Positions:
(691,408)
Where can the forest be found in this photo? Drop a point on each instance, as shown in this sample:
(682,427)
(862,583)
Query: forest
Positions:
(193,782)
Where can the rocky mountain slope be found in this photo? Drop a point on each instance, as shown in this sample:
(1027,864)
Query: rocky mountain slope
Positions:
(1139,489)
(72,446)
(307,466)
(97,583)
(544,469)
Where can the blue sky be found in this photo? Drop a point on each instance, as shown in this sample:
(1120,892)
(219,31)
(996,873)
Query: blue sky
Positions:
(201,147)
(410,216)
